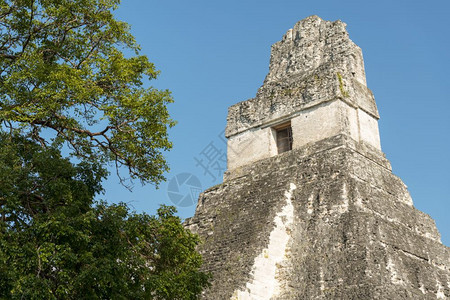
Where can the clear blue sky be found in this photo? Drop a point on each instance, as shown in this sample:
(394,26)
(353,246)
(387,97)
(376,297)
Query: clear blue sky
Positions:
(213,54)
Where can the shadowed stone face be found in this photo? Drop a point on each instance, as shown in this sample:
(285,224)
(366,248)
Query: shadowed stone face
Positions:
(327,219)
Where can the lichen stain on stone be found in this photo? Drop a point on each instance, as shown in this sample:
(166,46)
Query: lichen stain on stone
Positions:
(440,292)
(310,204)
(395,279)
(343,207)
(265,283)
(341,86)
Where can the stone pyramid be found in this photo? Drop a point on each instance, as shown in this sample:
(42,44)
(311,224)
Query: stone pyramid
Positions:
(309,207)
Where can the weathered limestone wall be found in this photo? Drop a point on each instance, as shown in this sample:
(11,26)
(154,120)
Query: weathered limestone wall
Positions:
(312,67)
(308,126)
(312,43)
(368,129)
(351,228)
(251,145)
(317,123)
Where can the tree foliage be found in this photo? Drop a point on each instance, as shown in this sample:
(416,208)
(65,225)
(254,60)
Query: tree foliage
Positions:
(70,68)
(72,75)
(56,244)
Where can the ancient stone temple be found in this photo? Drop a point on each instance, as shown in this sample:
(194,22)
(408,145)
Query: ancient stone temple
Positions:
(309,207)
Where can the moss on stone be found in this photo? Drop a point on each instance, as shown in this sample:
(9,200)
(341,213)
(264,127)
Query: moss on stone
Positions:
(341,86)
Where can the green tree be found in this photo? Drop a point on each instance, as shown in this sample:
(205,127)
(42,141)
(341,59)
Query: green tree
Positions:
(72,75)
(68,67)
(55,243)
